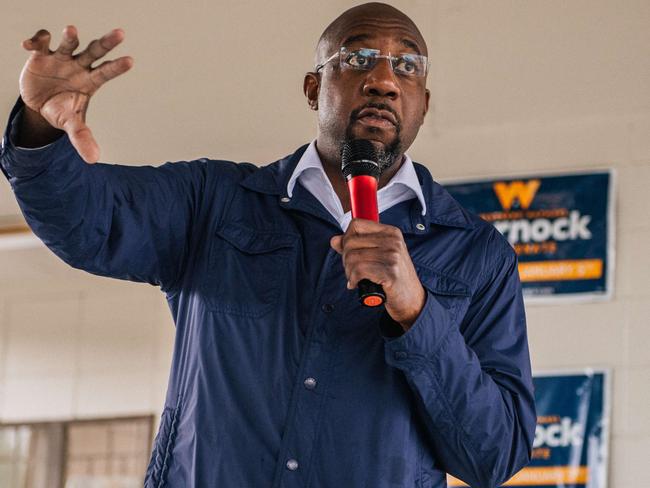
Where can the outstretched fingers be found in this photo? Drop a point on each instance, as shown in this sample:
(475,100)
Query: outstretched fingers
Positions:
(69,42)
(110,69)
(39,43)
(99,47)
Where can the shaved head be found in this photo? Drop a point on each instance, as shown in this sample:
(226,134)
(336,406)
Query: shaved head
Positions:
(335,34)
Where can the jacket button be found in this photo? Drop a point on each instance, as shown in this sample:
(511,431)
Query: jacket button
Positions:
(420,227)
(292,464)
(310,383)
(400,355)
(285,199)
(327,307)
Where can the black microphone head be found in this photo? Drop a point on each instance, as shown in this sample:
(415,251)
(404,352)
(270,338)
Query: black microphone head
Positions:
(359,157)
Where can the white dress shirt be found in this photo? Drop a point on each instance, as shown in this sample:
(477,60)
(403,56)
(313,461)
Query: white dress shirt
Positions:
(404,185)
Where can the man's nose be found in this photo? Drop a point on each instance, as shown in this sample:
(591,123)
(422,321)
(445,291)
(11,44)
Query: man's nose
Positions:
(381,81)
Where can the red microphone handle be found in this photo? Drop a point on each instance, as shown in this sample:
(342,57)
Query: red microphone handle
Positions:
(363,197)
(363,202)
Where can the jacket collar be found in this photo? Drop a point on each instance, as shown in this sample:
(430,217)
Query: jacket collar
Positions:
(442,209)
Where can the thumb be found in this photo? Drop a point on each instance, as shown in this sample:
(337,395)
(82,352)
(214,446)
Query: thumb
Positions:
(337,244)
(82,139)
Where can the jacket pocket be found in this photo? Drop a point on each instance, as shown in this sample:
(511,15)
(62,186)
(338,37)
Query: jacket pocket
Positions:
(246,269)
(453,294)
(162,449)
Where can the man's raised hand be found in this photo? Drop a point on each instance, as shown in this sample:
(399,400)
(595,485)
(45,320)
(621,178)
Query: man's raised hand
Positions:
(58,84)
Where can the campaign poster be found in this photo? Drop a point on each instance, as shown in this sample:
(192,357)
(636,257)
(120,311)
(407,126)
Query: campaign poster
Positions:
(571,443)
(560,226)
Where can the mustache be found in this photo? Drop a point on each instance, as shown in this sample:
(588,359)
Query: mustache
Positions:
(379,106)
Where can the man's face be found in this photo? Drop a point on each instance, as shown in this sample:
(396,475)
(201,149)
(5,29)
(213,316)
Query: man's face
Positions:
(378,104)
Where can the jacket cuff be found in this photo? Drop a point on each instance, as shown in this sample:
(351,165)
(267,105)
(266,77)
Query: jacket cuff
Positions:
(411,349)
(20,162)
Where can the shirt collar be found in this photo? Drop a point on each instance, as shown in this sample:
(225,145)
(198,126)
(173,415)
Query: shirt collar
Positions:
(310,161)
(442,209)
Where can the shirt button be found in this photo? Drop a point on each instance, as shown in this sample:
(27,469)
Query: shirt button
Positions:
(420,227)
(310,383)
(400,355)
(285,199)
(327,307)
(292,464)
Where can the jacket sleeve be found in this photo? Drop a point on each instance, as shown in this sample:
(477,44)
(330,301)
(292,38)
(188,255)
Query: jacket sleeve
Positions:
(126,222)
(469,368)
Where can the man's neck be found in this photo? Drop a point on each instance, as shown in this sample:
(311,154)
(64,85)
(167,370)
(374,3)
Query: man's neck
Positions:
(332,168)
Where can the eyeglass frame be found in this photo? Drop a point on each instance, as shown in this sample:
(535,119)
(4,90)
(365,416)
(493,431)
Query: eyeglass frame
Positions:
(378,56)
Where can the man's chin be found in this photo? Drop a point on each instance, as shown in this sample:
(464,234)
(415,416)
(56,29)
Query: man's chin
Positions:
(378,137)
(386,144)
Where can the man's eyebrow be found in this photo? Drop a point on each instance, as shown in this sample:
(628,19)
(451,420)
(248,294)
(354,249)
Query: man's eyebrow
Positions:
(411,45)
(364,37)
(356,38)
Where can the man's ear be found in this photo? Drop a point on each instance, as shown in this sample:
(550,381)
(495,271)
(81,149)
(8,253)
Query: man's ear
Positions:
(310,88)
(427,95)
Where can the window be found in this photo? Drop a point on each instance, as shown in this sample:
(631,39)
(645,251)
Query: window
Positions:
(98,453)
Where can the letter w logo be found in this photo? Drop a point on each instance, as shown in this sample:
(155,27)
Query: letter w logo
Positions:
(520,190)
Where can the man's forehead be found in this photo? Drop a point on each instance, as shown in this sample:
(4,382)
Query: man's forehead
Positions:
(371,22)
(370,34)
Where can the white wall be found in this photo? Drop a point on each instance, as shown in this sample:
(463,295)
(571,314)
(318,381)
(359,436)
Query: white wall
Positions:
(517,86)
(74,345)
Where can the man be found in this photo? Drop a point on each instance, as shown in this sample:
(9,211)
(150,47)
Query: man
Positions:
(279,376)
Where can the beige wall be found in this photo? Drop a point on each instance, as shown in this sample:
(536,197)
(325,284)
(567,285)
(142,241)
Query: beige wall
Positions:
(517,86)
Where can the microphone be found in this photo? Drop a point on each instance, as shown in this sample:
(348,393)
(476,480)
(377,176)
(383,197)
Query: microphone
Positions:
(361,171)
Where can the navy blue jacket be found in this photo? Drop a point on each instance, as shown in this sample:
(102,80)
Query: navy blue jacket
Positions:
(279,377)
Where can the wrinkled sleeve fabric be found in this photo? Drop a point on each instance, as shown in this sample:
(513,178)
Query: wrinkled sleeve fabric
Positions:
(125,222)
(469,368)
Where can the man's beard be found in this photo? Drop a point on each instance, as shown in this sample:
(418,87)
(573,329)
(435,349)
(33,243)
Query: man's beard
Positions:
(386,155)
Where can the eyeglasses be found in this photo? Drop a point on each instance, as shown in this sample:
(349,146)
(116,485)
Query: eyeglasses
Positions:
(365,59)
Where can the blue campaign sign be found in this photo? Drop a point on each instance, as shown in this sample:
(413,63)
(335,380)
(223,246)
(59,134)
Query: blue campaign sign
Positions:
(571,438)
(560,227)
(570,449)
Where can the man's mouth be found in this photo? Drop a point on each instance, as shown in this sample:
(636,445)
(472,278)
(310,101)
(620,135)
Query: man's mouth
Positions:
(375,117)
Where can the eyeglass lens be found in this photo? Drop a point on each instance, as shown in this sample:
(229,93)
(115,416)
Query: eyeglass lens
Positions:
(365,59)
